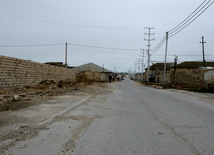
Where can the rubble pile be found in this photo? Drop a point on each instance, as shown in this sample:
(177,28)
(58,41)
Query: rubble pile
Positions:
(13,99)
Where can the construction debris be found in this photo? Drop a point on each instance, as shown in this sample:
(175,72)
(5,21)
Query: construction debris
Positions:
(13,99)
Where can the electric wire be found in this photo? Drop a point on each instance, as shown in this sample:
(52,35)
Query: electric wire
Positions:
(76,25)
(183,24)
(182,55)
(80,45)
(14,50)
(187,17)
(108,48)
(201,30)
(159,45)
(31,45)
(174,32)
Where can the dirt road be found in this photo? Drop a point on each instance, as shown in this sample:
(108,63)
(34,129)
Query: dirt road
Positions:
(52,125)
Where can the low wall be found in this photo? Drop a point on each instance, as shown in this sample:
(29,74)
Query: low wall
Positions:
(17,73)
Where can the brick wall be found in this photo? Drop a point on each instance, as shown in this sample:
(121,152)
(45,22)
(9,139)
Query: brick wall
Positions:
(17,73)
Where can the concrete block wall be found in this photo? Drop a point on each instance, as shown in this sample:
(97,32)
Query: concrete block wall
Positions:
(18,73)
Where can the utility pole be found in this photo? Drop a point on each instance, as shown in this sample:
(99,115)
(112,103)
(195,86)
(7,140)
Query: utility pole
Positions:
(135,68)
(66,55)
(165,57)
(204,61)
(175,63)
(138,69)
(142,65)
(148,49)
(131,72)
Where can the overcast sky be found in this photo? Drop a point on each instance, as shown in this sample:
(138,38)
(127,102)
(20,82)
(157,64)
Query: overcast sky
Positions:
(103,23)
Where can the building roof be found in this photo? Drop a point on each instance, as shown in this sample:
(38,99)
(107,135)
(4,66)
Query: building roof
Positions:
(160,66)
(59,64)
(193,64)
(91,67)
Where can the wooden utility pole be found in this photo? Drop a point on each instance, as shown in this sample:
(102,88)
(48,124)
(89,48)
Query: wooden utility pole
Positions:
(204,61)
(66,55)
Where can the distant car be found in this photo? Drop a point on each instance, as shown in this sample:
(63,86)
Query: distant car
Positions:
(151,77)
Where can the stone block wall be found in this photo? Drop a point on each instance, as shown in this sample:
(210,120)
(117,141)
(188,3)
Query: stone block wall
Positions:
(160,78)
(17,73)
(88,76)
(195,78)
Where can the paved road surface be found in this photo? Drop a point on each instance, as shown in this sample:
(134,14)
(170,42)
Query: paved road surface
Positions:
(121,118)
(145,120)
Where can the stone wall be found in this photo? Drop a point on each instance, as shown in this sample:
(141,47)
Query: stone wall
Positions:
(160,78)
(88,76)
(17,73)
(195,78)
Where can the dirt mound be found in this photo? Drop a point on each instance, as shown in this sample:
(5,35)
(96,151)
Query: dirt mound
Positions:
(62,83)
(12,99)
(50,84)
(47,82)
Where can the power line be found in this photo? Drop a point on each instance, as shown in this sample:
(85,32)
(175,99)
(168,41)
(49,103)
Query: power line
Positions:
(66,24)
(111,48)
(15,51)
(183,24)
(184,55)
(159,45)
(76,25)
(31,45)
(80,45)
(201,30)
(187,17)
(190,21)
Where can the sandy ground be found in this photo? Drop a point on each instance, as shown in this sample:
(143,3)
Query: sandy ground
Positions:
(52,125)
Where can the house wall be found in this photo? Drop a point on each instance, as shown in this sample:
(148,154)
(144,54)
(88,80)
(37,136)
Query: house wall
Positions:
(17,73)
(160,78)
(195,78)
(183,69)
(88,76)
(104,77)
(90,67)
(209,76)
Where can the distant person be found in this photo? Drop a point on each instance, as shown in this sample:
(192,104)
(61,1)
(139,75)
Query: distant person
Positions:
(110,77)
(118,78)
